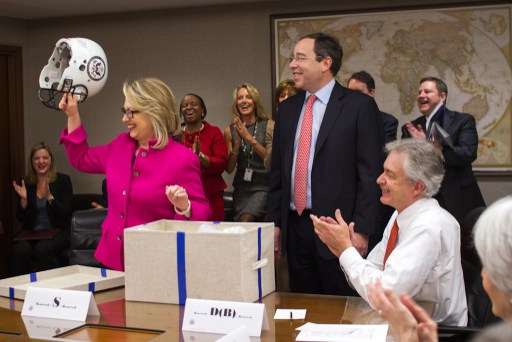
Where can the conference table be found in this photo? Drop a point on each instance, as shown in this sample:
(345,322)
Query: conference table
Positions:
(144,321)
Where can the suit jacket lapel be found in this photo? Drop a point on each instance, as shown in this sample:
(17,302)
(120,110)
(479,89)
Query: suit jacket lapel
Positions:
(448,119)
(332,113)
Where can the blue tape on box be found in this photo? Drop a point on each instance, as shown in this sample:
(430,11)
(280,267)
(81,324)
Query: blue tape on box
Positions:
(260,291)
(182,274)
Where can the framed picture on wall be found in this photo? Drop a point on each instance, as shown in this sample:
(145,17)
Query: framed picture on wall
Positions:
(468,47)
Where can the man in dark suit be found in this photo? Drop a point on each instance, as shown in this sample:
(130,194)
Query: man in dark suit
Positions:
(364,83)
(459,192)
(343,159)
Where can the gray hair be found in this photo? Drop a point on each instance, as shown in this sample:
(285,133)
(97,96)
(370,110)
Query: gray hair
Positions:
(423,162)
(493,241)
(500,332)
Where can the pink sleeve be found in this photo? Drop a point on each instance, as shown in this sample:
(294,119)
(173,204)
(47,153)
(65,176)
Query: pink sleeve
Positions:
(80,155)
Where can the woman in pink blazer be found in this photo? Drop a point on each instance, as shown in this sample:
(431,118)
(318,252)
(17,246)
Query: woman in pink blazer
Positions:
(149,175)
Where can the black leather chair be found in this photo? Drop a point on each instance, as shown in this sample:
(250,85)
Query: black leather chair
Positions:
(85,235)
(228,206)
(83,201)
(479,304)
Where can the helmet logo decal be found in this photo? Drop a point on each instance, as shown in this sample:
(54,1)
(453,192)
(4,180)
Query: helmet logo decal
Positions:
(96,68)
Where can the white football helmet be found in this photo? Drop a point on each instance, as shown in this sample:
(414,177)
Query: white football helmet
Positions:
(77,66)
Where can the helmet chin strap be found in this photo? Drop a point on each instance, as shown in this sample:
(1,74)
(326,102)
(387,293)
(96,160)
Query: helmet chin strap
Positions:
(50,97)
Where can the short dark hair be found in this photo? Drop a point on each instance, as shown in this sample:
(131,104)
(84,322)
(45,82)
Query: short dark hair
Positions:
(366,78)
(201,103)
(327,46)
(440,85)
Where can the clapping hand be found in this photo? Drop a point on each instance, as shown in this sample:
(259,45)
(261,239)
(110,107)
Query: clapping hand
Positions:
(415,132)
(241,130)
(336,234)
(21,190)
(47,192)
(410,321)
(196,147)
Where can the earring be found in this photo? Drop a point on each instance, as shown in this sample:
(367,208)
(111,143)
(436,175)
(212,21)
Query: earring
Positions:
(203,115)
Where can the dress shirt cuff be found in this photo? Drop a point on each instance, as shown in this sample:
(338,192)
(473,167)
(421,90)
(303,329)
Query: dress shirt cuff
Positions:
(349,257)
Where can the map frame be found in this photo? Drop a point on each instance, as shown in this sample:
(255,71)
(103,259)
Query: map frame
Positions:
(497,152)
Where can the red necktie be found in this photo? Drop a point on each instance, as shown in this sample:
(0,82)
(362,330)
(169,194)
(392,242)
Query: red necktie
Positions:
(301,162)
(393,236)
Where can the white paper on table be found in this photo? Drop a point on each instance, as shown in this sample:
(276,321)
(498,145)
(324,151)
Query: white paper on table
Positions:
(290,314)
(343,332)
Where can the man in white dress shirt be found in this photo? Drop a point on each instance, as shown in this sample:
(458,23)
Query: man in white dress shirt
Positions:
(424,261)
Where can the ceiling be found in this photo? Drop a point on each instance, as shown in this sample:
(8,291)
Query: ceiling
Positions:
(40,9)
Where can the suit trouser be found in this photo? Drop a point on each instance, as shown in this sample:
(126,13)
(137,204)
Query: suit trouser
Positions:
(44,252)
(310,272)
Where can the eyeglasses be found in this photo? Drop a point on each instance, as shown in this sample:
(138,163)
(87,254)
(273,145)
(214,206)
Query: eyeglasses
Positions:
(129,112)
(300,58)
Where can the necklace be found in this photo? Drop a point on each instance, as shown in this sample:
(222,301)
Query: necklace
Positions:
(189,137)
(248,150)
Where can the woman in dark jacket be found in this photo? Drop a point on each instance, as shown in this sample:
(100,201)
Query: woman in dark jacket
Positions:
(45,205)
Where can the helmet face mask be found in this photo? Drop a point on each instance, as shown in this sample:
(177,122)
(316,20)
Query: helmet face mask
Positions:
(77,66)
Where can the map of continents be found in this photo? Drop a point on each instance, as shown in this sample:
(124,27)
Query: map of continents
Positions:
(469,48)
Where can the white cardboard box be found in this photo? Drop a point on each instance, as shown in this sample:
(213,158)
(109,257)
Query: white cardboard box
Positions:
(167,261)
(75,277)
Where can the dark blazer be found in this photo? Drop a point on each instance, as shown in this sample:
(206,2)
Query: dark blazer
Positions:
(347,161)
(390,127)
(459,192)
(60,209)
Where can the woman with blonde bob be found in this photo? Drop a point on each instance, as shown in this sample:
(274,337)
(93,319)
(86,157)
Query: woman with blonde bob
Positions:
(45,197)
(149,175)
(248,142)
(493,241)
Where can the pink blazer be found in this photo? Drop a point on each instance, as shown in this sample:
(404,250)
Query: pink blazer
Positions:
(136,185)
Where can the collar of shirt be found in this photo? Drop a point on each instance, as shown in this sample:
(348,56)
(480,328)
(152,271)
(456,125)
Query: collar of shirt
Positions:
(436,109)
(323,94)
(409,214)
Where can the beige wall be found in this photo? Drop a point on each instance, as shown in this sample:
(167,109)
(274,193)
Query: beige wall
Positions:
(203,50)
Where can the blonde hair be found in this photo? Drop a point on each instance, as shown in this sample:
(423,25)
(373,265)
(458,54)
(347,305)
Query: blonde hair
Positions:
(154,98)
(52,171)
(255,95)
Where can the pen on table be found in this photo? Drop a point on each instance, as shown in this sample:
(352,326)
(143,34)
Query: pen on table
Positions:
(291,315)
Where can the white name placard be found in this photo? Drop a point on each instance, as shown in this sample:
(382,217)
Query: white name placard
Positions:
(59,304)
(223,317)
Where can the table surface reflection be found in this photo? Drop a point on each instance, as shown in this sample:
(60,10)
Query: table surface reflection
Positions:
(116,311)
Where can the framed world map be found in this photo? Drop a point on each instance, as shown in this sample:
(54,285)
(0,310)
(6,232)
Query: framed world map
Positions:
(468,47)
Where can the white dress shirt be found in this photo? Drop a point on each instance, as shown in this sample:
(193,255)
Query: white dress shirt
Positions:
(425,263)
(319,107)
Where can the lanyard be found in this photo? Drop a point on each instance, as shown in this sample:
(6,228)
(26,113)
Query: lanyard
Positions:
(248,150)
